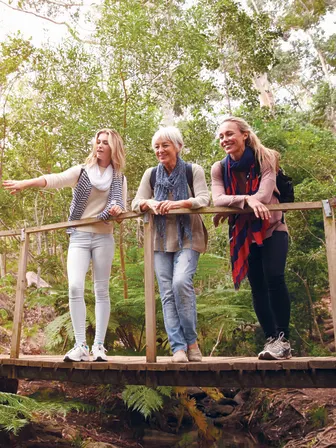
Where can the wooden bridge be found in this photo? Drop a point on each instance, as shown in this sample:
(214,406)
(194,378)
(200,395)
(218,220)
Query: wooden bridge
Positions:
(153,370)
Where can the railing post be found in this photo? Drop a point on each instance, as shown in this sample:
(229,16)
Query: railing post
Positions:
(330,237)
(19,298)
(149,289)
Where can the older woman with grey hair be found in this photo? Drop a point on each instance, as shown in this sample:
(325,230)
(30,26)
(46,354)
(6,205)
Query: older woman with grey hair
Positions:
(178,239)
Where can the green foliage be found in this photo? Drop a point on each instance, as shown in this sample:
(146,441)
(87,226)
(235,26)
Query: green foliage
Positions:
(16,411)
(318,417)
(145,399)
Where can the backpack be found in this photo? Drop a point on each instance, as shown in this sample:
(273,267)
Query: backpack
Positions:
(284,184)
(189,174)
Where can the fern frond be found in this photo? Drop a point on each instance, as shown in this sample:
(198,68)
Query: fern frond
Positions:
(142,399)
(180,390)
(213,393)
(196,414)
(165,390)
(16,410)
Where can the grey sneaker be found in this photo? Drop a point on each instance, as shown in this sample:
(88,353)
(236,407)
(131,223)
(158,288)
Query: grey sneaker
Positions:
(269,342)
(194,354)
(278,349)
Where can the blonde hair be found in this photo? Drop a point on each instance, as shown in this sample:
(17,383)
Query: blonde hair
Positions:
(116,145)
(265,156)
(170,133)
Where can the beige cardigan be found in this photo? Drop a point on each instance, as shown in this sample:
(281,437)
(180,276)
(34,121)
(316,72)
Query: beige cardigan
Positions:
(96,202)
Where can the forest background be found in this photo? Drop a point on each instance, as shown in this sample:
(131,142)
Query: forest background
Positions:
(146,63)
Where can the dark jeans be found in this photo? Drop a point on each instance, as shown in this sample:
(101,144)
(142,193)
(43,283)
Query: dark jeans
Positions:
(266,275)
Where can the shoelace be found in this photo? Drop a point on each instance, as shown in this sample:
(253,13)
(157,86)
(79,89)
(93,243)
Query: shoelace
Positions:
(269,341)
(278,342)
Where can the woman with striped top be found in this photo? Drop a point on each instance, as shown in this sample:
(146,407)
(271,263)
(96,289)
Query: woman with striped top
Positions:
(99,190)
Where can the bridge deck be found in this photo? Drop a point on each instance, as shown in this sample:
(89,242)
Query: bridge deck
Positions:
(212,371)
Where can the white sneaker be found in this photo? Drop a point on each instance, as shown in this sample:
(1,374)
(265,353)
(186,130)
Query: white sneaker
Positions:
(99,353)
(77,353)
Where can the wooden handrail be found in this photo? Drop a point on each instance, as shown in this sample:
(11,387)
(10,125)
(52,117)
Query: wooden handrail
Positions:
(330,233)
(202,211)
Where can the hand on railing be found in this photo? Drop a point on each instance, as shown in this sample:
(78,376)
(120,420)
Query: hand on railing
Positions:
(151,204)
(116,210)
(260,209)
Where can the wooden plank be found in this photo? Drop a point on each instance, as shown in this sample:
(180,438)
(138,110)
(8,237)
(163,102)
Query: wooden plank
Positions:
(78,223)
(150,311)
(131,215)
(330,237)
(13,232)
(296,364)
(245,364)
(19,298)
(231,210)
(323,363)
(269,365)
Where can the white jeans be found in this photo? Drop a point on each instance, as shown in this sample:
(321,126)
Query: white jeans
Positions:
(83,247)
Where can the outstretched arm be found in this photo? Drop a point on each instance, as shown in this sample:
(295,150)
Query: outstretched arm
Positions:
(14,186)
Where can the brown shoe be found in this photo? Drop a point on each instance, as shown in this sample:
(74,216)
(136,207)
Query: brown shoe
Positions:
(194,354)
(179,356)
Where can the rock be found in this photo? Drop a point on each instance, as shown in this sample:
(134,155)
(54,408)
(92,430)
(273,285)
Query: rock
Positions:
(241,396)
(31,278)
(217,410)
(159,438)
(229,393)
(230,401)
(220,421)
(196,392)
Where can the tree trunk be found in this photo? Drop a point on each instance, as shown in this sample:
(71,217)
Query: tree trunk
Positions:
(262,84)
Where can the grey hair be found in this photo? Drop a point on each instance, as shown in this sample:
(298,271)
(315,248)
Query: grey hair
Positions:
(170,133)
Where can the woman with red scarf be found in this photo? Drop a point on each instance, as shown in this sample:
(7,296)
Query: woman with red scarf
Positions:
(246,177)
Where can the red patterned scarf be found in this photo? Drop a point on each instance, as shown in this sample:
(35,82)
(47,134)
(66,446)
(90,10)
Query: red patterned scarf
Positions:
(243,229)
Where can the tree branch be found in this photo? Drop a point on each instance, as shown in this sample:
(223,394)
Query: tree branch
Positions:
(36,15)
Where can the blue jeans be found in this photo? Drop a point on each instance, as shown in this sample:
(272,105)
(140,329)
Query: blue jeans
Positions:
(174,272)
(83,247)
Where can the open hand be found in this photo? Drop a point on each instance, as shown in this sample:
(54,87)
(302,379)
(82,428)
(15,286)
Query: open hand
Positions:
(14,186)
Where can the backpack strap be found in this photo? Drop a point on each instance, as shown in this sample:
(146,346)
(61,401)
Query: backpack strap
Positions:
(189,173)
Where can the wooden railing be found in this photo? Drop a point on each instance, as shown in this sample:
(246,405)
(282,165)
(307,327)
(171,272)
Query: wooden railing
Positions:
(327,207)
